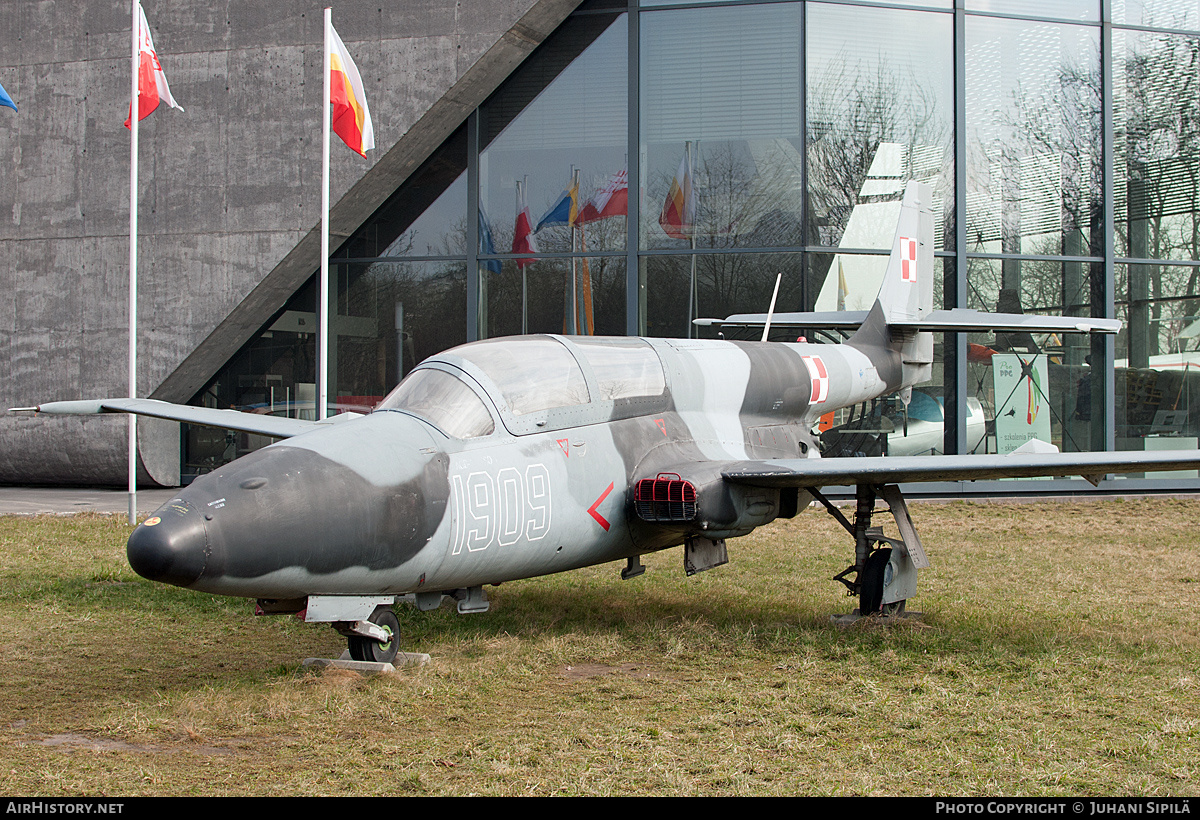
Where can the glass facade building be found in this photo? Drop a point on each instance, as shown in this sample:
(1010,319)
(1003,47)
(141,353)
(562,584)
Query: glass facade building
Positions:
(720,144)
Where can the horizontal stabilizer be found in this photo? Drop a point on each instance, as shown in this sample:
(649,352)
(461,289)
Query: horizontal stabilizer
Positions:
(832,320)
(265,425)
(978,321)
(960,320)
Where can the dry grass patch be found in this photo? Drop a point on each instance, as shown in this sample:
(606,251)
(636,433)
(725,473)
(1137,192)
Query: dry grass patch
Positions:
(1057,655)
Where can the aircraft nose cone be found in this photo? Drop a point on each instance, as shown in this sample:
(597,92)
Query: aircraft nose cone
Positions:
(171,546)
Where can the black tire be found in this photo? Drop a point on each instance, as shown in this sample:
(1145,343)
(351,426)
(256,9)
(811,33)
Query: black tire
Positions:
(870,589)
(366,649)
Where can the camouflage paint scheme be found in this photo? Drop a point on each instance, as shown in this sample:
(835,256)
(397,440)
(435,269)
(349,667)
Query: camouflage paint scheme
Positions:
(389,504)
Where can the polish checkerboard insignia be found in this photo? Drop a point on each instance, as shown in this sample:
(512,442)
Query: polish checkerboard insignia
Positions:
(820,378)
(908,259)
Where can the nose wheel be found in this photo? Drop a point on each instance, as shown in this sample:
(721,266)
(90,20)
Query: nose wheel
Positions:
(378,651)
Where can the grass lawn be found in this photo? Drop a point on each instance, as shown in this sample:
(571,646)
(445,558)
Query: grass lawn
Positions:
(1058,654)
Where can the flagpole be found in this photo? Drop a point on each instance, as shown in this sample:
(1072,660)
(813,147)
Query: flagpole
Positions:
(524,272)
(574,274)
(323,291)
(134,113)
(691,182)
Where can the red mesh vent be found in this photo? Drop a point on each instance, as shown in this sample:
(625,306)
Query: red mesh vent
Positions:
(665,498)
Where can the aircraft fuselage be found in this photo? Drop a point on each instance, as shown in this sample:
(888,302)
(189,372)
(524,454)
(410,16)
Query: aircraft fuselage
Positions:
(390,504)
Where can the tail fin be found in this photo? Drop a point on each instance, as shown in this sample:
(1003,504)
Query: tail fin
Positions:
(906,295)
(903,318)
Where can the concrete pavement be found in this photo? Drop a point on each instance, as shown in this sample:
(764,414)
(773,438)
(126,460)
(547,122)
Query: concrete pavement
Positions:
(67,500)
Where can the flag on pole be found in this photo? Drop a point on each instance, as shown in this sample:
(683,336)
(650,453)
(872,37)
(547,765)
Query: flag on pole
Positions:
(152,82)
(523,238)
(487,244)
(679,211)
(843,291)
(351,117)
(7,100)
(564,211)
(612,200)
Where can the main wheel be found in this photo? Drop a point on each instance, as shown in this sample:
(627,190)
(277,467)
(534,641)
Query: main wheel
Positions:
(870,589)
(368,649)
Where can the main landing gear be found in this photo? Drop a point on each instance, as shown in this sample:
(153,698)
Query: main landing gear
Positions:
(884,569)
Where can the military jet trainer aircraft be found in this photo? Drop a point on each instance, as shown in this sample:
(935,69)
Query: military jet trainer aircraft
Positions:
(517,457)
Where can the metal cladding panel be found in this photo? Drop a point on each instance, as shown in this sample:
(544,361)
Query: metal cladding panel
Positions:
(229,225)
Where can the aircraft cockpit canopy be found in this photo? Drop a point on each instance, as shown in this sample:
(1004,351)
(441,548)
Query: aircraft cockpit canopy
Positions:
(624,368)
(443,400)
(543,383)
(537,374)
(545,373)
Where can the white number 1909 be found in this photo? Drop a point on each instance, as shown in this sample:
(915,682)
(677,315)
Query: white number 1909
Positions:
(500,509)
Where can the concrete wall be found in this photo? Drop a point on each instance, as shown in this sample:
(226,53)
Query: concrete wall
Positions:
(229,190)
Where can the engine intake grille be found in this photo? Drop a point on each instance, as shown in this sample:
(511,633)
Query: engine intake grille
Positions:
(665,498)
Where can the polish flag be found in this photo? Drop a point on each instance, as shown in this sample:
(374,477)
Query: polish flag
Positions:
(351,117)
(152,83)
(523,238)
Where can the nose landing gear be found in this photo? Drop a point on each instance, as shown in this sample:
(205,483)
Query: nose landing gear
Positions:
(376,647)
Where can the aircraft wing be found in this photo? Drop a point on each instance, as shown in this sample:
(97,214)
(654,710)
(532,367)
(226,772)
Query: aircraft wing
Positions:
(877,470)
(262,424)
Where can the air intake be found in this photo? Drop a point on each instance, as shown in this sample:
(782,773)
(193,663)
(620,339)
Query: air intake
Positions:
(665,498)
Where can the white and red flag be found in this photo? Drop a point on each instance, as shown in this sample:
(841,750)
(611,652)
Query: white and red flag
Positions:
(523,238)
(612,200)
(679,209)
(152,82)
(351,117)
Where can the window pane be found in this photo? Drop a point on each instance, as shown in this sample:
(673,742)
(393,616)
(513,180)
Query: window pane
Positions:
(1060,9)
(716,285)
(1043,378)
(1158,358)
(720,116)
(880,112)
(391,316)
(1032,286)
(572,296)
(1156,99)
(563,112)
(1158,306)
(1177,14)
(1033,138)
(426,216)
